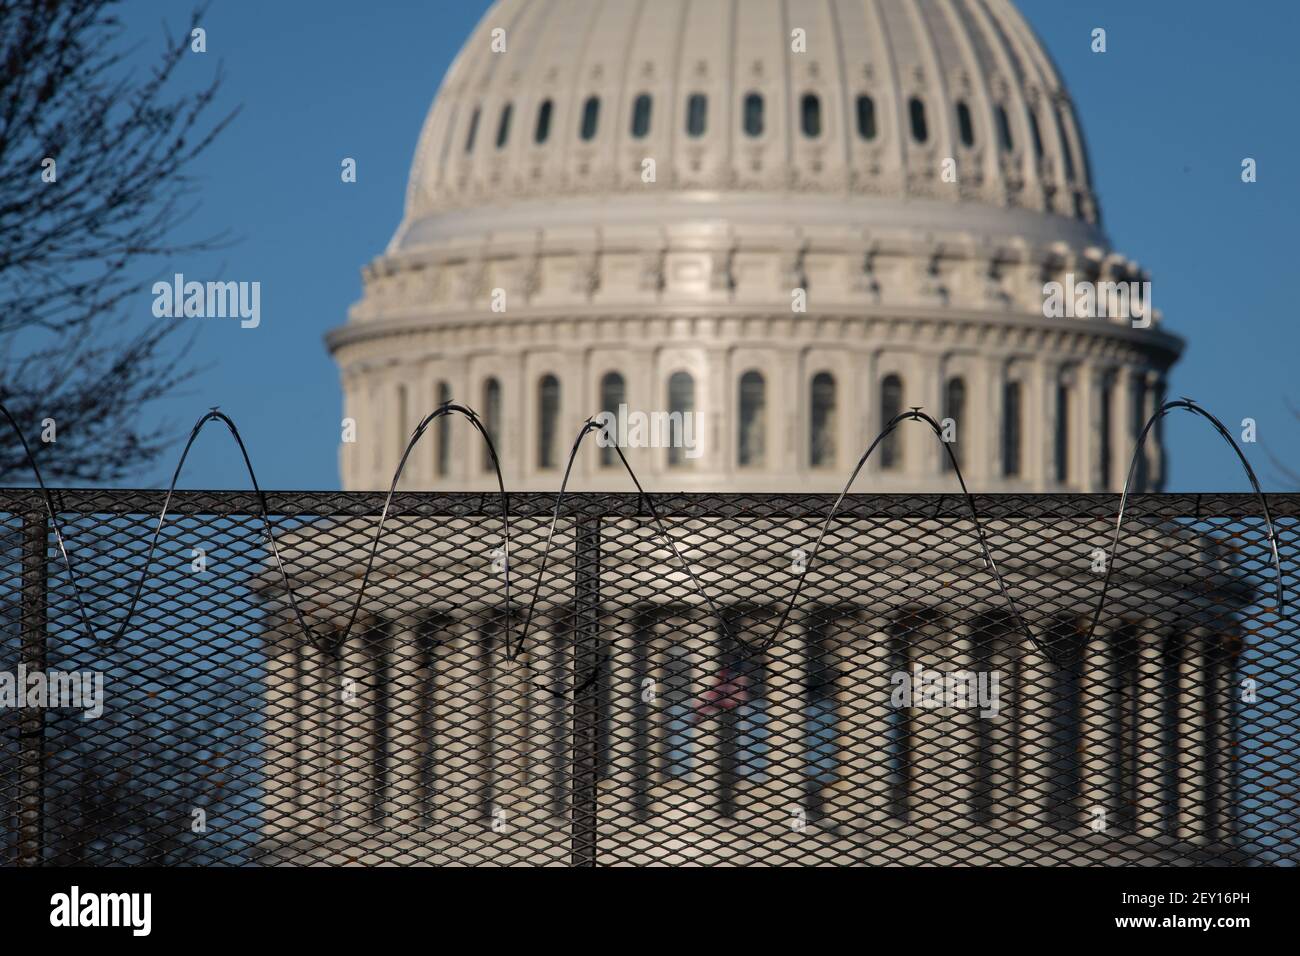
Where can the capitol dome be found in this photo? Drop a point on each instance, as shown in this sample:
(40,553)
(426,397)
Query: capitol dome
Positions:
(789,218)
(782,223)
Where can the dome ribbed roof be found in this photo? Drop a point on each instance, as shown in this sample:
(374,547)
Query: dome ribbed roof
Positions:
(712,90)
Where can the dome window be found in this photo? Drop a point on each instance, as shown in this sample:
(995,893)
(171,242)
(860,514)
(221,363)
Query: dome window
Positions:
(543,131)
(681,402)
(965,125)
(954,407)
(1011,429)
(491,419)
(1107,427)
(916,112)
(1064,412)
(754,115)
(751,444)
(590,118)
(821,436)
(1037,135)
(641,110)
(1065,146)
(810,113)
(548,418)
(613,393)
(503,128)
(1004,129)
(866,117)
(697,114)
(399,419)
(891,406)
(473,131)
(443,450)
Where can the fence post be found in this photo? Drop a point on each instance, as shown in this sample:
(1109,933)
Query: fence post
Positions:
(586,717)
(31,725)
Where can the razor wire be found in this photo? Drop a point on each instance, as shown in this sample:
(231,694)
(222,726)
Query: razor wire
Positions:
(513,649)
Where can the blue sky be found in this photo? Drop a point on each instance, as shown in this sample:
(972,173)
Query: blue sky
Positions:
(1184,92)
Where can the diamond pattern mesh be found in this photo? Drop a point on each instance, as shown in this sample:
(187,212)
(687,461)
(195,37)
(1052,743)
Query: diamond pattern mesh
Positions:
(900,717)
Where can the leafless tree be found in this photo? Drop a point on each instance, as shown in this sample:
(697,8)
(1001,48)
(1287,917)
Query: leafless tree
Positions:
(73,250)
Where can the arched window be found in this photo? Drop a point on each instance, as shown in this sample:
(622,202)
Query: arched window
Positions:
(954,407)
(399,422)
(866,117)
(1065,145)
(1139,406)
(754,114)
(697,114)
(681,402)
(613,393)
(965,124)
(1107,429)
(1004,129)
(891,404)
(590,117)
(916,112)
(810,113)
(376,397)
(1064,403)
(444,433)
(641,111)
(1011,428)
(751,446)
(1037,135)
(543,131)
(821,435)
(548,421)
(491,419)
(473,130)
(503,128)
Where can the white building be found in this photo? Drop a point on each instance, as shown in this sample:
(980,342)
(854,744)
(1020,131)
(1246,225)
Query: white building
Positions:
(774,171)
(628,202)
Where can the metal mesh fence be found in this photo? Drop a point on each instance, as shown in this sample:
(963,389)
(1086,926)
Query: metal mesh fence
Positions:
(901,716)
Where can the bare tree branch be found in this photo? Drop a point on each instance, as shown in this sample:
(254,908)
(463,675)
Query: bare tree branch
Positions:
(72,250)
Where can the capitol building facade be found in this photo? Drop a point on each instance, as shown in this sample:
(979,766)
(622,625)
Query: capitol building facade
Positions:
(539,278)
(792,219)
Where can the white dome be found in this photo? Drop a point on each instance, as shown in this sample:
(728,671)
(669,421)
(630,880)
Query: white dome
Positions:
(854,204)
(878,94)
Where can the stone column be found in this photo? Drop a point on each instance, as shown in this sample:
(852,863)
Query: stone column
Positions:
(941,755)
(862,663)
(539,689)
(447,803)
(407,684)
(1222,695)
(509,717)
(1194,798)
(280,729)
(998,761)
(1034,703)
(707,751)
(478,701)
(1149,736)
(1101,730)
(358,740)
(781,798)
(318,694)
